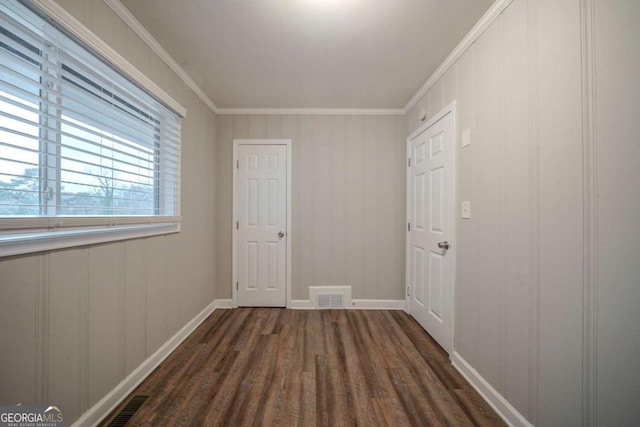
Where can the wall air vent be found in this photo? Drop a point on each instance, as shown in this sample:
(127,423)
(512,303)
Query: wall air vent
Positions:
(127,411)
(330,301)
(326,297)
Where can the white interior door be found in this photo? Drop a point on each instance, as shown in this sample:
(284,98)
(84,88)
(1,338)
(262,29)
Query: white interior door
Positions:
(431,172)
(262,225)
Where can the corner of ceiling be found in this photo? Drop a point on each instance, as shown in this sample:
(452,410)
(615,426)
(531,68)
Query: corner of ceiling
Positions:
(487,19)
(494,11)
(146,36)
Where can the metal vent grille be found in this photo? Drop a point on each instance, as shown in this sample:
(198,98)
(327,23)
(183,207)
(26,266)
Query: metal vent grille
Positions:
(330,301)
(128,411)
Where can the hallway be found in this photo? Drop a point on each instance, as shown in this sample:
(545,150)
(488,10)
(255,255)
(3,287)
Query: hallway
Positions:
(261,366)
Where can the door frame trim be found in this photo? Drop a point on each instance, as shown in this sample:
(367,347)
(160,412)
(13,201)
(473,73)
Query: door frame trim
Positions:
(449,109)
(234,257)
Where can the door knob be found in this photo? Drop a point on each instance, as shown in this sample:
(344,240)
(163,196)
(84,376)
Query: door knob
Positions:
(443,245)
(281,234)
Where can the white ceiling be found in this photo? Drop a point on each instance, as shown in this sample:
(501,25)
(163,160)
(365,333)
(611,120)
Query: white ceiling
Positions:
(309,53)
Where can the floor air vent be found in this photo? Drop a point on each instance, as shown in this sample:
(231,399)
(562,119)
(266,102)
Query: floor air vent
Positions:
(128,411)
(330,301)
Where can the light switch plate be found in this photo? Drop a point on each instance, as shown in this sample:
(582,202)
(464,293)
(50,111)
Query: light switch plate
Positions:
(466,209)
(466,137)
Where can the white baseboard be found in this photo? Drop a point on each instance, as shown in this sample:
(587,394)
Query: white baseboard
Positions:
(301,304)
(108,403)
(356,304)
(507,412)
(377,304)
(224,303)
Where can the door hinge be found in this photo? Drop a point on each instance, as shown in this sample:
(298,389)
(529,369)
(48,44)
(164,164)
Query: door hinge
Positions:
(408,226)
(237,164)
(237,225)
(236,286)
(409,162)
(408,291)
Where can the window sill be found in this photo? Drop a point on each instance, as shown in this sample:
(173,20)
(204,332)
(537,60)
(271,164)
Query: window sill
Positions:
(39,241)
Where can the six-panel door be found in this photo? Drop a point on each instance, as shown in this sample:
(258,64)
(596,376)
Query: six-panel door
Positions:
(431,217)
(262,225)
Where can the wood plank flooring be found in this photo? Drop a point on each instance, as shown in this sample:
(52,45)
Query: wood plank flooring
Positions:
(278,367)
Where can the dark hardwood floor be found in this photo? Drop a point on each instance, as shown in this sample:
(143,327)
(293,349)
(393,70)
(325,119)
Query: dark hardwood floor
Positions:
(277,367)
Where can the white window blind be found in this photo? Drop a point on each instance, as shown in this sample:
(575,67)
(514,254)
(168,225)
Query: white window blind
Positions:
(77,137)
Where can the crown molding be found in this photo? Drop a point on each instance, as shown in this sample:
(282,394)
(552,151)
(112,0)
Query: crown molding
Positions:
(487,19)
(478,29)
(314,111)
(56,12)
(142,32)
(154,45)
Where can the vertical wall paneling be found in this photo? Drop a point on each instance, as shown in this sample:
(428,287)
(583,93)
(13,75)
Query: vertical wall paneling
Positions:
(589,346)
(134,280)
(339,234)
(347,202)
(465,335)
(355,205)
(321,202)
(552,175)
(67,279)
(616,186)
(307,215)
(175,305)
(413,122)
(435,101)
(42,330)
(504,218)
(520,98)
(104,320)
(387,203)
(561,212)
(487,207)
(274,126)
(449,85)
(240,126)
(257,126)
(87,317)
(517,208)
(534,200)
(224,200)
(19,284)
(157,296)
(206,277)
(400,159)
(122,310)
(85,385)
(549,93)
(370,200)
(290,128)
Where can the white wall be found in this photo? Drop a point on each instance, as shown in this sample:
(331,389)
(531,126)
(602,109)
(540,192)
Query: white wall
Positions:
(547,273)
(74,323)
(348,200)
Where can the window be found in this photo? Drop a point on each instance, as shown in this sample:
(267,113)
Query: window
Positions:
(81,144)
